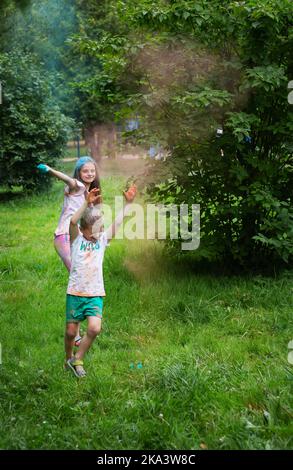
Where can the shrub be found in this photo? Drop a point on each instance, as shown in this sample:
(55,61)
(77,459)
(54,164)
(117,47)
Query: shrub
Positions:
(33,130)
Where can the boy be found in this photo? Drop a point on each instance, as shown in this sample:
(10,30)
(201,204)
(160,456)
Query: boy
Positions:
(85,290)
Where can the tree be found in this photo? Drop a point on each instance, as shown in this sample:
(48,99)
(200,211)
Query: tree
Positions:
(188,68)
(8,9)
(244,179)
(99,93)
(33,130)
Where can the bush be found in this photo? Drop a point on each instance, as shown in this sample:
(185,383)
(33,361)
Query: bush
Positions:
(33,130)
(243,178)
(185,69)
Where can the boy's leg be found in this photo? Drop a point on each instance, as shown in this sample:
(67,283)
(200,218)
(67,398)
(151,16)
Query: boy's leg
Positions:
(70,334)
(93,329)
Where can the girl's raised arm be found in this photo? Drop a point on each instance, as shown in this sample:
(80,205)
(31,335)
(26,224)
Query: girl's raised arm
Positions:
(59,175)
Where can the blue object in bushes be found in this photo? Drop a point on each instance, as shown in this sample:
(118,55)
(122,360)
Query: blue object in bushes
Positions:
(43,168)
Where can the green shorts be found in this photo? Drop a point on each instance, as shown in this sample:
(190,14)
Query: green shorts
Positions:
(78,308)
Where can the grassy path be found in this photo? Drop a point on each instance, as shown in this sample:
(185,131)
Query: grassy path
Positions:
(213,350)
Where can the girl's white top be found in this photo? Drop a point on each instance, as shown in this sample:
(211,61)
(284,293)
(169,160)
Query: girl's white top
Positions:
(72,202)
(86,274)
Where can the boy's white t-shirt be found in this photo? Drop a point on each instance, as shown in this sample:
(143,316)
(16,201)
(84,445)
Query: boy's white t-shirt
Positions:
(86,274)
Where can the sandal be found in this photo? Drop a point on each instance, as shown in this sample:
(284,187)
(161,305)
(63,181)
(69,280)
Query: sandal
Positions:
(65,365)
(76,365)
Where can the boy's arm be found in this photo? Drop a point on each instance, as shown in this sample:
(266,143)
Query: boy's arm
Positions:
(71,182)
(73,227)
(113,229)
(92,197)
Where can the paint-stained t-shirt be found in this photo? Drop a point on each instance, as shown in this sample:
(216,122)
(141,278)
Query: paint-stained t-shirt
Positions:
(86,274)
(72,202)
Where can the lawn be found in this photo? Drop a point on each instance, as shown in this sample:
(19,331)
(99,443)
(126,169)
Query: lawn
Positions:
(185,360)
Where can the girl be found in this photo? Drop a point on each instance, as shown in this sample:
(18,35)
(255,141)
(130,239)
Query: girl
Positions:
(85,179)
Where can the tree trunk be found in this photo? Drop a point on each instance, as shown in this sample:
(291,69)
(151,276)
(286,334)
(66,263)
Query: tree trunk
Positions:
(101,139)
(93,141)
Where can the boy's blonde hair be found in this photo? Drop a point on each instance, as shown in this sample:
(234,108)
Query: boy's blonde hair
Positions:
(92,216)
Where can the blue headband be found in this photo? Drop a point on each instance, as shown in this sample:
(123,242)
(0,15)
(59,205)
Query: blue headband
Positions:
(82,161)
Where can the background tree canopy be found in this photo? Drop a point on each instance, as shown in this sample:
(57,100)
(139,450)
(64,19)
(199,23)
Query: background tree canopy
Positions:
(187,68)
(33,127)
(184,69)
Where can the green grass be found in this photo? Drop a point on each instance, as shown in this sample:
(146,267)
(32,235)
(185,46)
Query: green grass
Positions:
(213,349)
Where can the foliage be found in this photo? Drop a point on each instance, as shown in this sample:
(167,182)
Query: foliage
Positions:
(42,29)
(33,130)
(97,80)
(192,67)
(184,69)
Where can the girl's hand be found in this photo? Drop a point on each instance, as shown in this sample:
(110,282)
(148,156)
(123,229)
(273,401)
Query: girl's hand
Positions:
(131,193)
(94,197)
(43,168)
